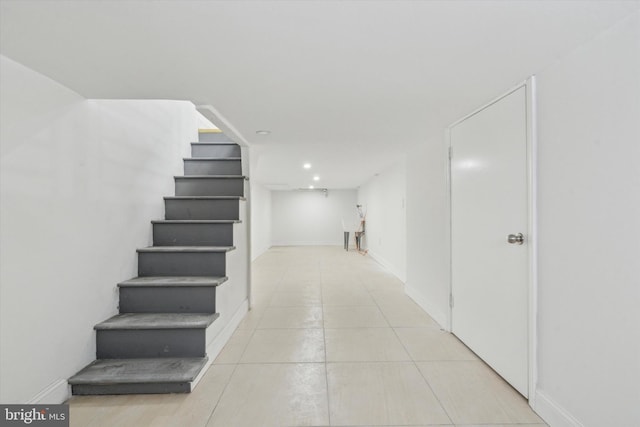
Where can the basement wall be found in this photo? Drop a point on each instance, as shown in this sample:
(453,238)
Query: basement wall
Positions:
(310,218)
(80,181)
(589,232)
(260,220)
(384,197)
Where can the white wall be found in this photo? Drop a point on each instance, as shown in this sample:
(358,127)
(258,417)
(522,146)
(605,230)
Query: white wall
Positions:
(589,229)
(260,220)
(384,197)
(427,236)
(80,181)
(310,218)
(589,232)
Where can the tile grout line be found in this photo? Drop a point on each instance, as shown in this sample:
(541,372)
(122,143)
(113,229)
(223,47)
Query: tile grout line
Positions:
(415,364)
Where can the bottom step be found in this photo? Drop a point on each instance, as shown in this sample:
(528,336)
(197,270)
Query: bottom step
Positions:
(137,376)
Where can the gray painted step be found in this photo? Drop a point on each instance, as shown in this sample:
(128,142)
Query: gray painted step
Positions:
(215,149)
(213,137)
(193,232)
(183,261)
(147,335)
(210,185)
(203,207)
(213,166)
(169,294)
(137,376)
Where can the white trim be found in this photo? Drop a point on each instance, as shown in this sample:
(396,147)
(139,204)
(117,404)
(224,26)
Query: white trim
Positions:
(386,264)
(218,343)
(532,237)
(55,393)
(532,178)
(554,414)
(427,305)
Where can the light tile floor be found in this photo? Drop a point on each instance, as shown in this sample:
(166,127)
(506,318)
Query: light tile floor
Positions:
(332,340)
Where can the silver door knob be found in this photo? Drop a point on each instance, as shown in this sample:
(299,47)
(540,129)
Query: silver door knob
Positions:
(515,239)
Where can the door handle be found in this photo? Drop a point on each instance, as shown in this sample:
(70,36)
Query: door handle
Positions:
(515,239)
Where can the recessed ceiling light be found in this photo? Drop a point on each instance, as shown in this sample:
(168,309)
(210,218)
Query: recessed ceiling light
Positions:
(307,166)
(311,187)
(316,178)
(263,132)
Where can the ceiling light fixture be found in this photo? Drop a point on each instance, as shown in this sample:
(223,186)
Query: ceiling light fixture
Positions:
(311,187)
(263,132)
(316,178)
(307,166)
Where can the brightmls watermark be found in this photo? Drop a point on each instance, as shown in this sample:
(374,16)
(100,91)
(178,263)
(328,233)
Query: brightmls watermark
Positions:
(34,415)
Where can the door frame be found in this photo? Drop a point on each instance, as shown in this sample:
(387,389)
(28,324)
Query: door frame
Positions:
(532,230)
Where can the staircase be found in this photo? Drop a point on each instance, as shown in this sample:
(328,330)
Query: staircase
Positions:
(157,344)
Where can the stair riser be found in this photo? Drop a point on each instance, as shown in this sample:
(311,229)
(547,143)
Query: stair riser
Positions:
(181,264)
(210,187)
(202,209)
(213,167)
(211,150)
(144,343)
(193,234)
(179,299)
(213,137)
(140,388)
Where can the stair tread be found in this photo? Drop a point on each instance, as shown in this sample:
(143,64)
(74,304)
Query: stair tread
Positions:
(196,221)
(204,198)
(157,321)
(187,249)
(211,158)
(132,371)
(154,281)
(214,143)
(210,176)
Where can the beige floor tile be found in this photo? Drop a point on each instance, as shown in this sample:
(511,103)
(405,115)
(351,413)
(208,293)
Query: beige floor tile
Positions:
(406,315)
(473,393)
(170,410)
(346,296)
(232,351)
(354,317)
(296,298)
(291,317)
(381,394)
(274,395)
(364,345)
(501,425)
(252,318)
(431,344)
(285,345)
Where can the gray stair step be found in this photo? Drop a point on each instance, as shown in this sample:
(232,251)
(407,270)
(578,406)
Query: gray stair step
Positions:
(209,185)
(215,149)
(182,261)
(169,294)
(137,376)
(135,321)
(202,207)
(213,137)
(213,166)
(193,233)
(173,281)
(147,335)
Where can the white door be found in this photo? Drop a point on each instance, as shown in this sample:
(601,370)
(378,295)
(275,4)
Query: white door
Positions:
(489,201)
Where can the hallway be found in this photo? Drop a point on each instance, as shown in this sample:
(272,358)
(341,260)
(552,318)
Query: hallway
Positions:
(332,340)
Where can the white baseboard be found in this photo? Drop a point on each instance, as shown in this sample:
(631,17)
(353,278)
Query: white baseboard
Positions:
(386,264)
(554,414)
(218,343)
(55,393)
(427,305)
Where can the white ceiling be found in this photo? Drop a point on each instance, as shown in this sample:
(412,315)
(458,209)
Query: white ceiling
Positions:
(346,85)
